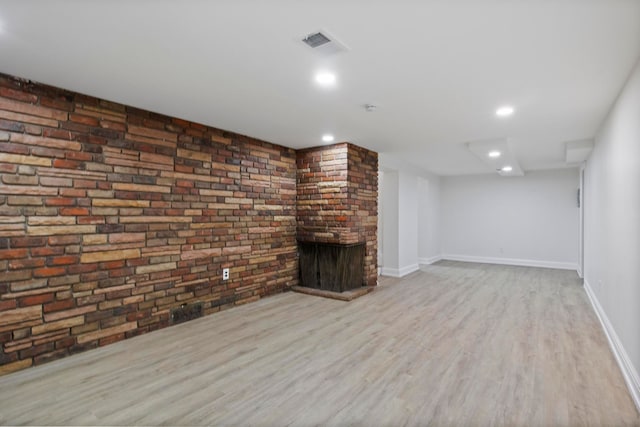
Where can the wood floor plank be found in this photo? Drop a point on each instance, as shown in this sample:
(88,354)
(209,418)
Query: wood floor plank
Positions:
(453,344)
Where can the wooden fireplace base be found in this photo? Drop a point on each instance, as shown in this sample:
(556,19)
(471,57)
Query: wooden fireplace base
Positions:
(342,296)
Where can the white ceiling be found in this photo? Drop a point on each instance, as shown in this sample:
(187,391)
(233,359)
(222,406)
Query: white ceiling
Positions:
(436,69)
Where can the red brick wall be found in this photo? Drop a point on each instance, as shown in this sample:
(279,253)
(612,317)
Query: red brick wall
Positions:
(363,193)
(338,199)
(110,216)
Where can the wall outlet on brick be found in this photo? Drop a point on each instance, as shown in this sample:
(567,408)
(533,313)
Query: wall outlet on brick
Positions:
(225,274)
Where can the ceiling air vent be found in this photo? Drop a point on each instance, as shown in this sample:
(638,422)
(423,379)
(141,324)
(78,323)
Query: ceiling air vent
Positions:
(316,39)
(324,44)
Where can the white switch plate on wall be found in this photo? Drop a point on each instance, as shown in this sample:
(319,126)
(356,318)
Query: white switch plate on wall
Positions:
(225,274)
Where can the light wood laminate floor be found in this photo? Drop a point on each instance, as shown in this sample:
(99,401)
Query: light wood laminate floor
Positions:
(454,344)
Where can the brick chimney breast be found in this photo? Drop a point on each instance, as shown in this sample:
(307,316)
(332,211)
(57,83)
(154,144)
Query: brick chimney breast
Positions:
(337,199)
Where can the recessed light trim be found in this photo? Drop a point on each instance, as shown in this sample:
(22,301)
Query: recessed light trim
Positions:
(505,111)
(327,138)
(494,154)
(507,169)
(325,78)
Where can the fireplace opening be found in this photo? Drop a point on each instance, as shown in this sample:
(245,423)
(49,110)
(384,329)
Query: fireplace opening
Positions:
(332,267)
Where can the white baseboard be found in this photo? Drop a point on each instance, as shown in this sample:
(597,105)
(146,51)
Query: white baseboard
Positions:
(400,272)
(512,261)
(409,269)
(430,260)
(628,370)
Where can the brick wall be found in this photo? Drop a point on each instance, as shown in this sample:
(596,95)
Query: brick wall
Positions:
(110,216)
(337,189)
(363,193)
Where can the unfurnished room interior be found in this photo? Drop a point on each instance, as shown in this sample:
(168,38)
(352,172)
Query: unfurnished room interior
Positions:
(293,213)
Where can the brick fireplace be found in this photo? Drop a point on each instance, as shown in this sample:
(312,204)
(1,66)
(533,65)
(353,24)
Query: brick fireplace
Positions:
(337,207)
(112,217)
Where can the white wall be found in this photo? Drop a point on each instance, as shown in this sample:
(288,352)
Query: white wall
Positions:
(529,220)
(408,222)
(612,229)
(409,206)
(429,245)
(387,206)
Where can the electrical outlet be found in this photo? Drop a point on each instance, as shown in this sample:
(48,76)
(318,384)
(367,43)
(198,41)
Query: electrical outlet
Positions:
(225,274)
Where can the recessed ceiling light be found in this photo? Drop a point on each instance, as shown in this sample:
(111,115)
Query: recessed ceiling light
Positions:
(327,138)
(325,78)
(494,154)
(505,111)
(506,169)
